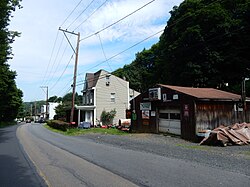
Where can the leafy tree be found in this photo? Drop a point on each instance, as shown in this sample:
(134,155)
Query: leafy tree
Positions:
(142,73)
(54,99)
(10,95)
(205,44)
(61,110)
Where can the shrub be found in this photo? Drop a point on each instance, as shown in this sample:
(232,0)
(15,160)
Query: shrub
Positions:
(57,124)
(107,117)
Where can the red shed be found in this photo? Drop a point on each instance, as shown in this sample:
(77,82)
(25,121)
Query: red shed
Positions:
(186,111)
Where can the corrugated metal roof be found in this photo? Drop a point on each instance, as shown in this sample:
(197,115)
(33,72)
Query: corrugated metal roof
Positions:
(204,93)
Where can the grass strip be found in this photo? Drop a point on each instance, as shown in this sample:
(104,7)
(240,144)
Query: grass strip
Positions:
(7,124)
(198,147)
(77,132)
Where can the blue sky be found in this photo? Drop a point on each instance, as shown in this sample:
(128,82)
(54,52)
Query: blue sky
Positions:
(42,55)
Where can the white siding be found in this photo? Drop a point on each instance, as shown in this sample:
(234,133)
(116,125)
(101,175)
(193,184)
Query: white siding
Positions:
(103,93)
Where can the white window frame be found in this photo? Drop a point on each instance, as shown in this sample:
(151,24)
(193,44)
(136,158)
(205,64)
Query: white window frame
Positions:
(112,97)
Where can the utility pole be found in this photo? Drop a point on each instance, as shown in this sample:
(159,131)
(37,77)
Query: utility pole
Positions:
(75,70)
(47,101)
(35,110)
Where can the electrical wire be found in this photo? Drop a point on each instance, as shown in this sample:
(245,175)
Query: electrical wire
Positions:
(91,14)
(50,56)
(48,80)
(104,54)
(117,21)
(62,73)
(81,14)
(125,50)
(71,13)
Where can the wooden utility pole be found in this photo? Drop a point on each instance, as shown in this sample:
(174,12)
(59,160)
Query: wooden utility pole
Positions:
(75,71)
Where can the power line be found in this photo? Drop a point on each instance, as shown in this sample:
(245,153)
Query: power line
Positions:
(51,56)
(126,49)
(46,82)
(80,14)
(62,73)
(71,13)
(91,15)
(110,67)
(118,21)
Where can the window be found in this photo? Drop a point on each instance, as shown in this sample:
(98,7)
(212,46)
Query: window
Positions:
(107,80)
(112,97)
(175,116)
(164,115)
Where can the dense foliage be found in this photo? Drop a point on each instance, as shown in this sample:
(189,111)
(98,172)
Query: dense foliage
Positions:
(205,44)
(107,117)
(56,124)
(10,95)
(66,104)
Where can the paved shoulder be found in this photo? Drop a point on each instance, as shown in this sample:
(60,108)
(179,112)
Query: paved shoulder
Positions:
(16,168)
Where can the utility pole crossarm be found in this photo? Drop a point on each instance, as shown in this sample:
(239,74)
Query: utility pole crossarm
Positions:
(68,31)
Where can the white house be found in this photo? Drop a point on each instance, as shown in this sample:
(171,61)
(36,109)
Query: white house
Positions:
(51,110)
(104,91)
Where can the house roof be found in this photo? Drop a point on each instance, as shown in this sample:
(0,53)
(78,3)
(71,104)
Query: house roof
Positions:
(92,78)
(204,93)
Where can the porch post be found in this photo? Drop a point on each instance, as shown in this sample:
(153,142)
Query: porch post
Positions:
(79,117)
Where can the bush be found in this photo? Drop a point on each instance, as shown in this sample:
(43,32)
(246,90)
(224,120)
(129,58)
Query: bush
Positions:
(57,124)
(107,117)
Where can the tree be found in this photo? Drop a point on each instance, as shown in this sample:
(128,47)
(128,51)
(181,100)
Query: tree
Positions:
(10,95)
(142,73)
(55,99)
(61,109)
(206,43)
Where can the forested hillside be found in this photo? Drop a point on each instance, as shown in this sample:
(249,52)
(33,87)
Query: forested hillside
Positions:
(205,43)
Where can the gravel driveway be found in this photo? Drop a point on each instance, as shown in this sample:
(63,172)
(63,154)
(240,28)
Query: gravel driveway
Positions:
(231,158)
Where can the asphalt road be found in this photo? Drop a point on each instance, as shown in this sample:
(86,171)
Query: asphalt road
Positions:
(73,161)
(15,167)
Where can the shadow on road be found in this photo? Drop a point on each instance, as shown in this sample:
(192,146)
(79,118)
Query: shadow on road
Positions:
(4,135)
(12,173)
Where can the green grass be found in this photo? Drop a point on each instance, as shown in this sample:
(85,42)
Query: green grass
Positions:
(7,124)
(199,147)
(246,153)
(76,132)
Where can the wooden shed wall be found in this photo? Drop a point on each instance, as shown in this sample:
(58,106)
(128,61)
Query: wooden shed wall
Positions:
(140,124)
(210,115)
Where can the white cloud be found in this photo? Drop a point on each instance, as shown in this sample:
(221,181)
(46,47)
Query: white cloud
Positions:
(39,21)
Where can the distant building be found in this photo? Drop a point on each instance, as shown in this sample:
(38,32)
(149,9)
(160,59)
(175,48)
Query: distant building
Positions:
(104,91)
(51,110)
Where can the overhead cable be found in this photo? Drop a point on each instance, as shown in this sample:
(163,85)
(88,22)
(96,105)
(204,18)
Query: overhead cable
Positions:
(125,49)
(81,14)
(50,57)
(118,21)
(71,13)
(91,15)
(62,72)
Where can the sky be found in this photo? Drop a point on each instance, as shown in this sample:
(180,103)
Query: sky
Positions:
(44,56)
